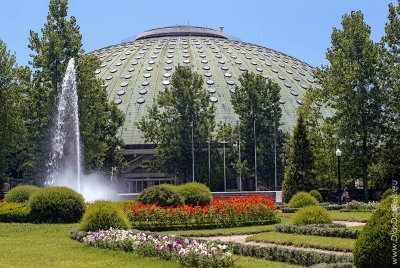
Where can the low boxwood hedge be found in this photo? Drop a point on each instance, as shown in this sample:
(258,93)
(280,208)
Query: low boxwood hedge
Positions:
(327,207)
(320,230)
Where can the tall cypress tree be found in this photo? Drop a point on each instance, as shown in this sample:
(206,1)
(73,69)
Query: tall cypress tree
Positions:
(299,172)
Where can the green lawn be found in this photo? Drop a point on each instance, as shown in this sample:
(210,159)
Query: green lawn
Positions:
(48,245)
(309,241)
(340,216)
(228,231)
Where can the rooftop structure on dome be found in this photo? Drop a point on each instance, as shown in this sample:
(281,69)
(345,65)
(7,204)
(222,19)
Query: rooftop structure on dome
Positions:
(135,72)
(181,30)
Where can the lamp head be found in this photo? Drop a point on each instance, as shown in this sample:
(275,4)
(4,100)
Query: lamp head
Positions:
(338,153)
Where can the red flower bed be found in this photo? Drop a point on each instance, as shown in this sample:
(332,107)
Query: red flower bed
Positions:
(2,201)
(222,212)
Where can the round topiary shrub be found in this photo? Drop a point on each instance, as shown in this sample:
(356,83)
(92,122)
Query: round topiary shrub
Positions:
(102,216)
(316,195)
(311,215)
(302,199)
(195,193)
(20,194)
(56,205)
(160,194)
(387,193)
(374,246)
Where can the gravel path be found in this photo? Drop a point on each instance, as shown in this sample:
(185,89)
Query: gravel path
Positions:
(242,239)
(350,223)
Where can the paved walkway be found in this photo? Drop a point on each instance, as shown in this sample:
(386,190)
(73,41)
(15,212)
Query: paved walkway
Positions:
(351,223)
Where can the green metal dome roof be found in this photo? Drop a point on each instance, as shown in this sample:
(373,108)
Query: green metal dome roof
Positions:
(135,72)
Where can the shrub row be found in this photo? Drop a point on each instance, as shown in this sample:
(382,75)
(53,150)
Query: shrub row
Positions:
(278,254)
(47,205)
(320,230)
(361,206)
(334,265)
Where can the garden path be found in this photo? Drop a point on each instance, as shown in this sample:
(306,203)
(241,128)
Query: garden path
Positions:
(350,223)
(242,239)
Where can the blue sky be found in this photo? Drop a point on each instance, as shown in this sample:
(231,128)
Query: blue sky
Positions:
(301,29)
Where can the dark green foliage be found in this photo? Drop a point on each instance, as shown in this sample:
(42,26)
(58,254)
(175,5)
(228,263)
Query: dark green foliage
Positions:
(195,193)
(21,193)
(334,265)
(320,230)
(302,199)
(56,205)
(169,125)
(161,194)
(374,247)
(299,173)
(317,195)
(350,86)
(14,212)
(102,216)
(311,215)
(256,101)
(387,193)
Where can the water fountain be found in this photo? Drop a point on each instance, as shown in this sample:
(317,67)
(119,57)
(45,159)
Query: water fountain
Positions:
(64,165)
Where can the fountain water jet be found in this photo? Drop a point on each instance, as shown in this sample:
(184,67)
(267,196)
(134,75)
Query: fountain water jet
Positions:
(65,151)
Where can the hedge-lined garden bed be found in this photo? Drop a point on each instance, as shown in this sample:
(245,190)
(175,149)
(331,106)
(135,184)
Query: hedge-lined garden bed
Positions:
(221,213)
(319,230)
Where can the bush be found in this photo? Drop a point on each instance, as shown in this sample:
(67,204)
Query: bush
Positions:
(14,212)
(311,215)
(102,216)
(20,194)
(56,205)
(387,193)
(319,230)
(361,206)
(194,192)
(374,247)
(302,199)
(160,194)
(327,207)
(316,195)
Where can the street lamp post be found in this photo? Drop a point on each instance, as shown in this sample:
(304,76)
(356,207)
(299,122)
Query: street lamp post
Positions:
(339,154)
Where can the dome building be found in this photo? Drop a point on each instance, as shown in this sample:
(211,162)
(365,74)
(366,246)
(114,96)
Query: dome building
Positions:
(134,73)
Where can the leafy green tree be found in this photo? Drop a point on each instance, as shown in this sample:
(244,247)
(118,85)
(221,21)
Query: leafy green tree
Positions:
(299,171)
(351,87)
(12,129)
(99,120)
(256,101)
(182,106)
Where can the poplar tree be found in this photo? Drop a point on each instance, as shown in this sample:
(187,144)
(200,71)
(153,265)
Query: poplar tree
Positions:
(183,106)
(351,87)
(256,101)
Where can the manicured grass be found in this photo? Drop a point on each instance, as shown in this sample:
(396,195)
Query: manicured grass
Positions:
(45,245)
(309,241)
(254,262)
(340,216)
(49,245)
(228,231)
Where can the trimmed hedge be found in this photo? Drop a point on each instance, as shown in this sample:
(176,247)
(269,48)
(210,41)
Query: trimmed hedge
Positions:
(278,254)
(162,195)
(302,199)
(316,195)
(195,193)
(334,265)
(374,247)
(14,212)
(56,205)
(320,230)
(103,215)
(20,194)
(311,215)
